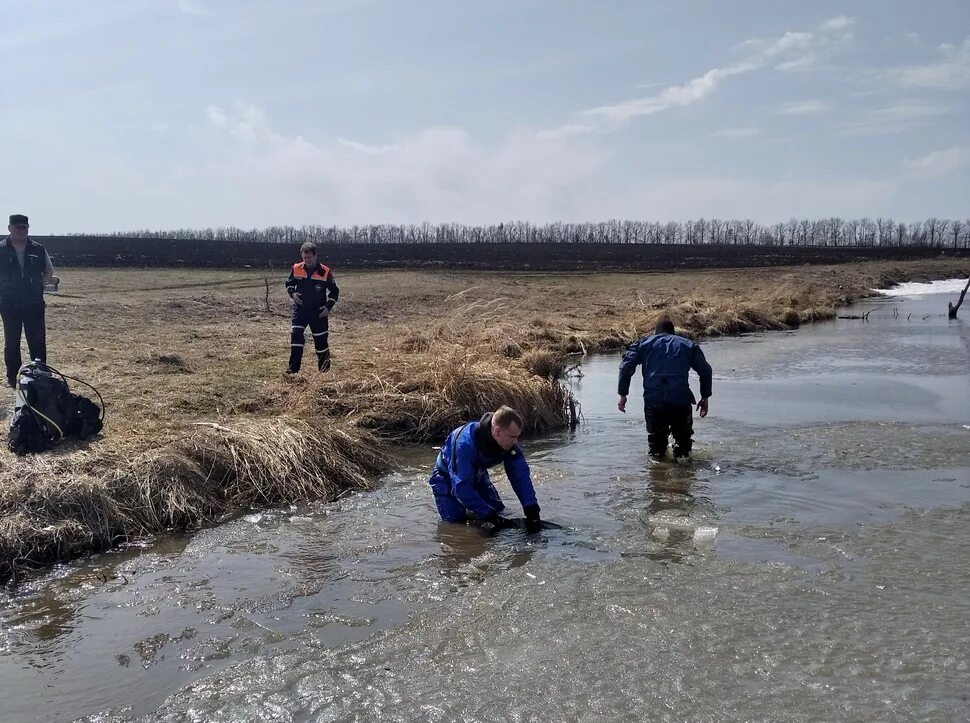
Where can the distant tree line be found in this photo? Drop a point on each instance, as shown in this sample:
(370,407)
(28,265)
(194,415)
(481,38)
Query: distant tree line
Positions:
(831,232)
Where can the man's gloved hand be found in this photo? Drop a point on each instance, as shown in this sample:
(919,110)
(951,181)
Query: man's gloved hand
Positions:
(532,521)
(498,521)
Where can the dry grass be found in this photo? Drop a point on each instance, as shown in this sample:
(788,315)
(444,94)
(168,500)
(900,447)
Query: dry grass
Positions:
(59,506)
(415,354)
(429,383)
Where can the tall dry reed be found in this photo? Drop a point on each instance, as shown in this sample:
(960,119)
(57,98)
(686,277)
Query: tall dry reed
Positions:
(56,507)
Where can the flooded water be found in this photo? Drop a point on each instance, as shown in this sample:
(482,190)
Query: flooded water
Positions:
(809,564)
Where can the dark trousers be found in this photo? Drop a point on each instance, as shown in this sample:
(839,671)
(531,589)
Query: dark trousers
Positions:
(677,419)
(319,328)
(31,321)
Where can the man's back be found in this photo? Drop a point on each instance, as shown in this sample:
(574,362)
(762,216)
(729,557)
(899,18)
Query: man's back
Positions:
(665,360)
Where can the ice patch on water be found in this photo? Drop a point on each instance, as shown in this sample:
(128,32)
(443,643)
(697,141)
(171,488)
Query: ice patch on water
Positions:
(670,521)
(915,288)
(705,534)
(663,524)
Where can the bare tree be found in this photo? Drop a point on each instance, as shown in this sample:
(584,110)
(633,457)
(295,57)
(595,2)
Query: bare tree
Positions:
(951,309)
(935,233)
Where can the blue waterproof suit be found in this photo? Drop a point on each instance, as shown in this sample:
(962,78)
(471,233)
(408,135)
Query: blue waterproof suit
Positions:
(665,360)
(460,479)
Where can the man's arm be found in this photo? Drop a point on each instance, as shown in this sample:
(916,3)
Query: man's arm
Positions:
(520,477)
(291,288)
(699,364)
(333,292)
(628,365)
(48,268)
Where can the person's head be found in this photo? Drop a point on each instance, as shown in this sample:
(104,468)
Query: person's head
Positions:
(664,326)
(506,427)
(309,253)
(18,227)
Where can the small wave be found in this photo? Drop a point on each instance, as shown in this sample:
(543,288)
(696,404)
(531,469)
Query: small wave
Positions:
(916,288)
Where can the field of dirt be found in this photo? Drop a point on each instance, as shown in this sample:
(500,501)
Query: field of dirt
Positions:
(538,256)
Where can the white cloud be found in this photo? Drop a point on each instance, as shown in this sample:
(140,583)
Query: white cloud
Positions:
(900,116)
(789,42)
(440,174)
(248,174)
(568,130)
(790,51)
(805,107)
(939,163)
(671,97)
(951,72)
(833,25)
(805,51)
(443,174)
(906,110)
(247,124)
(736,133)
(216,116)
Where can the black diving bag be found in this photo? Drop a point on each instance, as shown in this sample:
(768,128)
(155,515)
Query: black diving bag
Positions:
(46,411)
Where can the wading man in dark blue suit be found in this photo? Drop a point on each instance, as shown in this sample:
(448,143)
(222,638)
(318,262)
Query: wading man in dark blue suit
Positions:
(460,481)
(665,361)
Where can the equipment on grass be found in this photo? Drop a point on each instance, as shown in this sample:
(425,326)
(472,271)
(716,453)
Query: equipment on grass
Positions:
(46,411)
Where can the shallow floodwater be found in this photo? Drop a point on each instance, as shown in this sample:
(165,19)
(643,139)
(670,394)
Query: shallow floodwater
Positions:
(811,563)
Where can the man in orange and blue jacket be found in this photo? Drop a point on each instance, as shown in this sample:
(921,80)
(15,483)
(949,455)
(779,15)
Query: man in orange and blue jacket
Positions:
(314,292)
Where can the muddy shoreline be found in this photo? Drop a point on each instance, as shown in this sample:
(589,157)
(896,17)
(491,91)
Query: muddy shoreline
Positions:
(190,362)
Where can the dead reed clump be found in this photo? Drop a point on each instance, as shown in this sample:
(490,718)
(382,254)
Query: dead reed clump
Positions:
(474,363)
(167,363)
(59,507)
(544,363)
(420,402)
(415,343)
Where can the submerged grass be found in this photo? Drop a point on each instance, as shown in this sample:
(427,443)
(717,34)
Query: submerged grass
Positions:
(202,423)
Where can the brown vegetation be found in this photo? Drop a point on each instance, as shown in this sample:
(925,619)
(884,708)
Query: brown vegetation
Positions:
(202,422)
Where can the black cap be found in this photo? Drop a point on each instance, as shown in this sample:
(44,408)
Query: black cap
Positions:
(18,219)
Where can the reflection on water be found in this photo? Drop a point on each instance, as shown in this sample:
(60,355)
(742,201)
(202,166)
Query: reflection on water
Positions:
(813,545)
(470,553)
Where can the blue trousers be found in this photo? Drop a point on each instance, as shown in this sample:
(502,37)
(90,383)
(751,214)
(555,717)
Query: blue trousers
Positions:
(450,507)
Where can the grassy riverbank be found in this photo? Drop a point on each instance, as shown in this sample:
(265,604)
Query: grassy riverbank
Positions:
(202,422)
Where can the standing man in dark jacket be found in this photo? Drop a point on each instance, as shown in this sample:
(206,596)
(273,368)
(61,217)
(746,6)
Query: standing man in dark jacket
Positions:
(665,360)
(314,293)
(460,481)
(24,269)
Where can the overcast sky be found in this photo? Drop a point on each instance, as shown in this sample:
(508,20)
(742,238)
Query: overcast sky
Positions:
(193,113)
